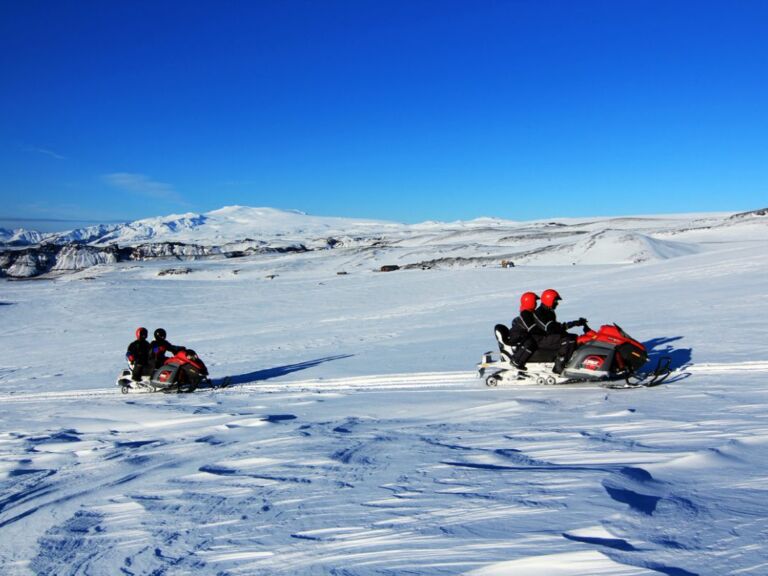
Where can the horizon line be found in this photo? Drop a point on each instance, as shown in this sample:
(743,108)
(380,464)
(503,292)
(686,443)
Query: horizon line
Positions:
(70,220)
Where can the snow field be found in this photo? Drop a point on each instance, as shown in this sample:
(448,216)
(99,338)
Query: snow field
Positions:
(429,481)
(355,438)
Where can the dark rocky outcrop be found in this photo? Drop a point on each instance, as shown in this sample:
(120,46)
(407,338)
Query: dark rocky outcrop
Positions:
(751,213)
(39,259)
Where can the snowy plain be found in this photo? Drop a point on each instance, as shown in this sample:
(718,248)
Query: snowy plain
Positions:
(356,438)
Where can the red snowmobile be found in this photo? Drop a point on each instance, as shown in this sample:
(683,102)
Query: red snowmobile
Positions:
(183,372)
(607,355)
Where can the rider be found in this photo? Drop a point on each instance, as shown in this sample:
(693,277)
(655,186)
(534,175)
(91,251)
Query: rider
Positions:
(524,331)
(159,347)
(138,355)
(556,337)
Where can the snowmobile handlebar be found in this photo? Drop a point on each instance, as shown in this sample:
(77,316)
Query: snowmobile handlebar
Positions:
(579,322)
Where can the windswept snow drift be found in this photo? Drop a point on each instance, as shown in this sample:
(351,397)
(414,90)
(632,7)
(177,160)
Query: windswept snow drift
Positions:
(616,247)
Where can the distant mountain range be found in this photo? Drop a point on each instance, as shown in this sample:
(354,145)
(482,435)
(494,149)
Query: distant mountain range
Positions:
(228,224)
(237,231)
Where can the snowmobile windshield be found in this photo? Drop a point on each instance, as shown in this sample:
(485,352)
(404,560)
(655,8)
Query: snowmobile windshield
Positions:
(624,334)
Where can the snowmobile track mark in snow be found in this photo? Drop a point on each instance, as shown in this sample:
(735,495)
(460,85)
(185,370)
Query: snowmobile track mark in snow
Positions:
(416,380)
(752,366)
(377,382)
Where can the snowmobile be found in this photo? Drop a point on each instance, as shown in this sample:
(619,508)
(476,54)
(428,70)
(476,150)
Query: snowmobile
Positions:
(609,356)
(183,372)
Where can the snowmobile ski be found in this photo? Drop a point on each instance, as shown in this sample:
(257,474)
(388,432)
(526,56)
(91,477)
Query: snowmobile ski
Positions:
(654,378)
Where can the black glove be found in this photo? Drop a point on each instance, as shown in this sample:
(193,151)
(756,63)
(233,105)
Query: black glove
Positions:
(581,322)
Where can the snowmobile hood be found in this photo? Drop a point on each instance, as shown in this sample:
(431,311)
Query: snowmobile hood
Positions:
(610,334)
(186,357)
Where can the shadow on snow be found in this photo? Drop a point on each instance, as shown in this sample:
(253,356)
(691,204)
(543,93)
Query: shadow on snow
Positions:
(277,371)
(680,358)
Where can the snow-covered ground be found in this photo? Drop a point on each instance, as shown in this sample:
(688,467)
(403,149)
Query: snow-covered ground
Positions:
(356,438)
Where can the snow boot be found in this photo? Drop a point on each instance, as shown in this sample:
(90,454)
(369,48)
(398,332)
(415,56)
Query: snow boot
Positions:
(522,355)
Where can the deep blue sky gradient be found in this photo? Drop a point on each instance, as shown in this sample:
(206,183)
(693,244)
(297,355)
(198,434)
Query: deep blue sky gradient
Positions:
(401,110)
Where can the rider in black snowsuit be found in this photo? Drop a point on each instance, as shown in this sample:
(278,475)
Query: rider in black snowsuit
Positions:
(159,347)
(138,355)
(556,337)
(518,342)
(524,331)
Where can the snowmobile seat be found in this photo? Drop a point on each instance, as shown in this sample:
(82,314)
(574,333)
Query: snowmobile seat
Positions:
(507,349)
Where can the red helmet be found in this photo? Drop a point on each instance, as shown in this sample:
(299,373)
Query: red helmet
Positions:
(528,301)
(550,298)
(141,333)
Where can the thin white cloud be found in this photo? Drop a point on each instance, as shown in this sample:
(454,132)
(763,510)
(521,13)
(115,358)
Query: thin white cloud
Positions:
(143,185)
(46,151)
(41,211)
(48,210)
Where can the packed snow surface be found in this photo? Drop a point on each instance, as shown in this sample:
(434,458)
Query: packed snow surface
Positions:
(355,437)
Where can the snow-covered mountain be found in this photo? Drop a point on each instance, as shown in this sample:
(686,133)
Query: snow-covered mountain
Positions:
(228,224)
(242,231)
(20,237)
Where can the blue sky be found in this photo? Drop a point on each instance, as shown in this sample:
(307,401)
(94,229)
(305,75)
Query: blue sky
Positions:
(404,110)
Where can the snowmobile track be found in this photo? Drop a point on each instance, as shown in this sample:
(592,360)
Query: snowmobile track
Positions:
(378,382)
(418,380)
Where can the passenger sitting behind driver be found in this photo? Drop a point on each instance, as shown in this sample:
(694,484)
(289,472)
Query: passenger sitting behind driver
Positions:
(138,355)
(524,331)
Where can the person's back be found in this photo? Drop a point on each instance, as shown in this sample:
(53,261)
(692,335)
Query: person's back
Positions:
(523,326)
(138,355)
(522,333)
(545,315)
